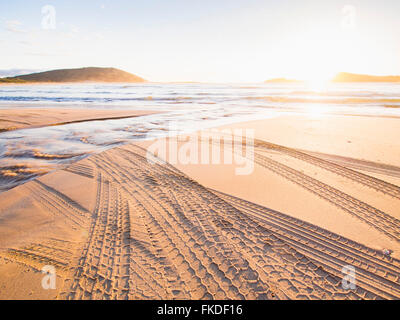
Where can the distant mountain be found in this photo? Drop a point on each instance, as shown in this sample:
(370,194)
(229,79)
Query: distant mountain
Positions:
(345,77)
(11,80)
(352,77)
(282,80)
(90,74)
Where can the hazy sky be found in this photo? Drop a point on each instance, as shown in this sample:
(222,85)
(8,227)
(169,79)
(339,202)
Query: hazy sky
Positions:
(204,40)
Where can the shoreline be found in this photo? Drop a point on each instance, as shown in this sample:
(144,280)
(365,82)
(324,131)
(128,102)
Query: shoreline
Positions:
(186,219)
(27,118)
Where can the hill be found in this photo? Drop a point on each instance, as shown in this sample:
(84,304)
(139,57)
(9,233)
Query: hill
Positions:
(282,80)
(353,77)
(345,77)
(90,74)
(11,80)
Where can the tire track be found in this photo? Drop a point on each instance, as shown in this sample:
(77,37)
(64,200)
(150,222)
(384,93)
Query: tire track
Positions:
(154,250)
(213,270)
(166,225)
(59,203)
(332,250)
(107,268)
(361,178)
(59,254)
(279,258)
(155,233)
(37,255)
(390,275)
(374,217)
(79,168)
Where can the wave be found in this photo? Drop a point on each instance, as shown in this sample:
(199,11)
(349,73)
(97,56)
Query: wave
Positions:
(326,101)
(319,98)
(89,99)
(337,93)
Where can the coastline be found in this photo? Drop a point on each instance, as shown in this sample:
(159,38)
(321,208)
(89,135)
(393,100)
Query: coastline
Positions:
(171,213)
(24,118)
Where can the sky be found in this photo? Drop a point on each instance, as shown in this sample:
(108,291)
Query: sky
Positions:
(207,40)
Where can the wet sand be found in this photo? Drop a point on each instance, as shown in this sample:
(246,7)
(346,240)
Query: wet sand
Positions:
(21,118)
(118,226)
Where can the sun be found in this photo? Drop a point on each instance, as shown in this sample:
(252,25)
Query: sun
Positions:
(319,82)
(318,74)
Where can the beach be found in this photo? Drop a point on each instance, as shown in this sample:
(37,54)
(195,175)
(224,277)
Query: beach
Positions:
(190,158)
(23,118)
(320,200)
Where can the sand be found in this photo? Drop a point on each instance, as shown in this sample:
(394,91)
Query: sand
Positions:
(359,137)
(118,226)
(20,118)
